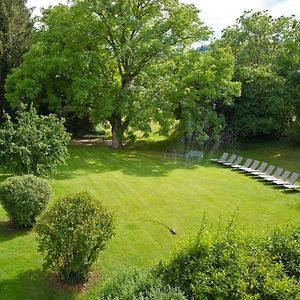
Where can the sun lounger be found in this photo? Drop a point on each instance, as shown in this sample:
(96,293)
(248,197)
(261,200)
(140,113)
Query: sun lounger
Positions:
(236,162)
(274,176)
(245,165)
(281,178)
(268,172)
(253,167)
(260,169)
(293,178)
(223,157)
(230,160)
(292,186)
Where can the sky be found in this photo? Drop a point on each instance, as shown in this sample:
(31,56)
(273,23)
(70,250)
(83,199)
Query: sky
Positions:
(218,14)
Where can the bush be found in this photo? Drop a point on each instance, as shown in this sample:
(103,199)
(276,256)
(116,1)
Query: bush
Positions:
(23,198)
(228,266)
(283,245)
(71,234)
(139,285)
(33,144)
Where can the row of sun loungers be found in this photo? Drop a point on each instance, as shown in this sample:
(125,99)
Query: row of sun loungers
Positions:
(261,170)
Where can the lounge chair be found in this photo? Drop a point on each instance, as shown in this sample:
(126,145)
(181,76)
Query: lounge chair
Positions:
(230,160)
(274,176)
(223,157)
(292,186)
(236,162)
(293,178)
(268,172)
(291,182)
(245,165)
(253,167)
(281,178)
(260,169)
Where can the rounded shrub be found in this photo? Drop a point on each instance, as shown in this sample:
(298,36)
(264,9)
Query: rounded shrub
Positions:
(24,198)
(71,233)
(139,285)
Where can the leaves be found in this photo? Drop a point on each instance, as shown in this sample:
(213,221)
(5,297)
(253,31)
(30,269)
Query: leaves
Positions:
(267,51)
(90,57)
(70,241)
(34,144)
(24,198)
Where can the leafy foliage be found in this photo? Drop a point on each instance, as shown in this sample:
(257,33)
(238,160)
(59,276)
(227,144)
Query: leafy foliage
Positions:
(230,266)
(267,53)
(203,84)
(24,198)
(71,233)
(15,33)
(283,244)
(97,72)
(33,144)
(139,285)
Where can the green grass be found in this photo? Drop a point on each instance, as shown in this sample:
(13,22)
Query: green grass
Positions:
(141,186)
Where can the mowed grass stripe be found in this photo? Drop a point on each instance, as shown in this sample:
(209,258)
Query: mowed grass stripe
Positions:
(140,187)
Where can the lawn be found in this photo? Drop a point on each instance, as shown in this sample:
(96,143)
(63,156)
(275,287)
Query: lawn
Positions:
(140,186)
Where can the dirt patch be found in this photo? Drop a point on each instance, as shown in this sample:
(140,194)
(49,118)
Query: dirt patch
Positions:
(78,288)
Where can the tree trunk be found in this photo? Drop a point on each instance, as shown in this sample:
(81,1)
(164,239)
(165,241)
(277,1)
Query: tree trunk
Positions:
(118,126)
(117,132)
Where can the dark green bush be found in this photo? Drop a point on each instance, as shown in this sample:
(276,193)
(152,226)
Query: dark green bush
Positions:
(71,234)
(228,266)
(139,285)
(23,198)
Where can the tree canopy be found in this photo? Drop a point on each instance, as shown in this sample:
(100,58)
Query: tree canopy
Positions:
(267,53)
(90,56)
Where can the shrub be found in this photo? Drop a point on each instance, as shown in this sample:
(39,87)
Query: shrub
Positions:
(33,144)
(283,245)
(228,266)
(71,234)
(23,198)
(139,285)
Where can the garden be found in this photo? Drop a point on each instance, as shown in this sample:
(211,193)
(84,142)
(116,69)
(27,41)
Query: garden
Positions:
(108,189)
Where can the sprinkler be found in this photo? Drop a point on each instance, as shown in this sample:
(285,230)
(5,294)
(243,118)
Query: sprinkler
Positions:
(172,231)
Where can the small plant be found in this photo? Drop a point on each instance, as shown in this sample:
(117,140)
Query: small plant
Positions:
(24,198)
(140,285)
(71,234)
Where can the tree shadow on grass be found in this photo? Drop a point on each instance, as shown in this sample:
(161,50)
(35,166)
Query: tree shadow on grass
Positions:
(33,285)
(94,159)
(8,231)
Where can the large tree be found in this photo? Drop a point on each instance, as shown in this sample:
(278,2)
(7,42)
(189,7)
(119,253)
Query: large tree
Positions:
(15,32)
(203,83)
(261,44)
(90,57)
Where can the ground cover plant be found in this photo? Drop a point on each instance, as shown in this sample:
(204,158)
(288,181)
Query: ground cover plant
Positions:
(140,285)
(144,186)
